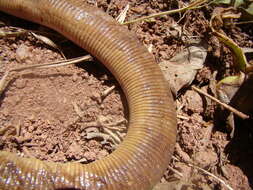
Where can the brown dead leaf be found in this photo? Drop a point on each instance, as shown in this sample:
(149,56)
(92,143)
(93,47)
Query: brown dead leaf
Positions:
(180,71)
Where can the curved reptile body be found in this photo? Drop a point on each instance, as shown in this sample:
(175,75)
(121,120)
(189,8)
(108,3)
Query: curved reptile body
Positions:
(141,159)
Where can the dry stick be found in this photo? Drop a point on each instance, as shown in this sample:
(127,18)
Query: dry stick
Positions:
(4,81)
(116,123)
(27,152)
(182,117)
(113,135)
(81,160)
(30,145)
(193,5)
(122,16)
(238,113)
(244,22)
(4,34)
(107,91)
(109,6)
(212,175)
(18,128)
(77,110)
(47,41)
(176,172)
(206,172)
(4,129)
(54,64)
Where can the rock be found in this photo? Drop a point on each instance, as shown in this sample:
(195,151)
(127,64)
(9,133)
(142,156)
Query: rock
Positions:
(23,53)
(205,158)
(194,101)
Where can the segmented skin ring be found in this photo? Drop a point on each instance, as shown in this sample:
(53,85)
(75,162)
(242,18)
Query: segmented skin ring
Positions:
(141,159)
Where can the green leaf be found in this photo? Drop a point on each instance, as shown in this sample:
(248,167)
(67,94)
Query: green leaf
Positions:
(238,3)
(230,80)
(227,2)
(250,9)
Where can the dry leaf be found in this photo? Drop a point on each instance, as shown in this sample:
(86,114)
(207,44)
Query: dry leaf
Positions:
(122,16)
(180,71)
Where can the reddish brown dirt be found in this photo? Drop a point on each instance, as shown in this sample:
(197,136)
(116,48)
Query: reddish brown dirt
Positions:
(58,114)
(52,113)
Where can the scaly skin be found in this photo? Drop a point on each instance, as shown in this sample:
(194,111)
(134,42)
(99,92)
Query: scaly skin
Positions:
(141,159)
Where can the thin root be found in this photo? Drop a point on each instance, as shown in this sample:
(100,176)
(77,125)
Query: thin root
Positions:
(228,107)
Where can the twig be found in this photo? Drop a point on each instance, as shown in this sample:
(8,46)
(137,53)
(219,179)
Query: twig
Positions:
(114,136)
(77,110)
(4,129)
(18,128)
(27,152)
(30,145)
(228,107)
(104,136)
(212,175)
(182,117)
(244,22)
(175,171)
(122,16)
(47,41)
(107,91)
(4,81)
(206,172)
(54,64)
(91,124)
(193,5)
(175,158)
(18,32)
(118,122)
(109,6)
(81,160)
